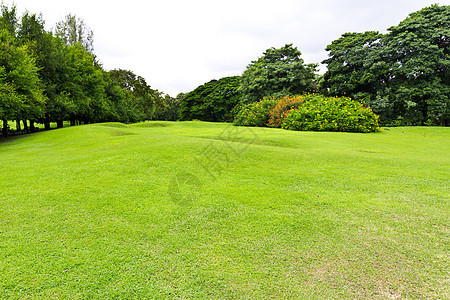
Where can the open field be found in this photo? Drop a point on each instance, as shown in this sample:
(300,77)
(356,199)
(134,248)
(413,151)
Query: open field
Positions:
(206,210)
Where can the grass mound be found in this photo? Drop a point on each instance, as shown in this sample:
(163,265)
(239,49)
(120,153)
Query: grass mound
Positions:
(150,124)
(113,124)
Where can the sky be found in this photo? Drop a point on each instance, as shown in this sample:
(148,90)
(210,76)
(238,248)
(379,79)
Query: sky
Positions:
(178,45)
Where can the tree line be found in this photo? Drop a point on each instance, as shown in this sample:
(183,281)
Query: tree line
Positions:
(403,75)
(51,77)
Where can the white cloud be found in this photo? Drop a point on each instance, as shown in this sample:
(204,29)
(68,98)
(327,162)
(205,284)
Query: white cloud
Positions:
(177,45)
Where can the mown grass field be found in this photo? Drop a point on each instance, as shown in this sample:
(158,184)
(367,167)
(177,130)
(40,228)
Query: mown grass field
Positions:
(206,210)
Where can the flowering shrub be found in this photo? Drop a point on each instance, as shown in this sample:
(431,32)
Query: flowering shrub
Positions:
(281,110)
(256,113)
(331,114)
(309,112)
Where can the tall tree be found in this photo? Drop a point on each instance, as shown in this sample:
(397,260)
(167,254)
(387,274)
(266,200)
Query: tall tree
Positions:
(348,66)
(8,19)
(279,72)
(402,75)
(144,96)
(73,30)
(167,107)
(415,56)
(82,80)
(19,82)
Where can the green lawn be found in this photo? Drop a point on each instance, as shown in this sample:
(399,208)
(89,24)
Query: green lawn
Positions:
(206,210)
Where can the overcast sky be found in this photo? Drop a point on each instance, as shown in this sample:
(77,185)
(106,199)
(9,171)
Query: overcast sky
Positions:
(177,45)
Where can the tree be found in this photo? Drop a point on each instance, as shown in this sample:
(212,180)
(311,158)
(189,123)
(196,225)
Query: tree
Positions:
(21,94)
(167,107)
(214,101)
(402,75)
(83,81)
(415,57)
(31,33)
(73,30)
(279,72)
(143,95)
(10,102)
(8,19)
(348,72)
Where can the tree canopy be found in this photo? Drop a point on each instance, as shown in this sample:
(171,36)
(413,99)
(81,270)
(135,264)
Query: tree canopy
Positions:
(403,75)
(20,87)
(46,77)
(279,72)
(213,101)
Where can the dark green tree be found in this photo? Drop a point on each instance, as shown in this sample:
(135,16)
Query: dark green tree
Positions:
(279,72)
(55,66)
(10,102)
(40,43)
(167,107)
(8,19)
(349,66)
(75,86)
(402,75)
(214,101)
(143,96)
(19,82)
(414,57)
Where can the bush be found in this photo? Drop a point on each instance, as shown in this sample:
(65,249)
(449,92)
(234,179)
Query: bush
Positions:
(281,110)
(256,113)
(331,114)
(309,112)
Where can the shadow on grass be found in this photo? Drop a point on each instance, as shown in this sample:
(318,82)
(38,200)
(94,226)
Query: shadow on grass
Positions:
(12,138)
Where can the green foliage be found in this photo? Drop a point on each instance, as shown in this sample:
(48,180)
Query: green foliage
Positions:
(402,75)
(309,112)
(123,107)
(279,72)
(168,108)
(214,101)
(135,87)
(83,81)
(320,113)
(19,79)
(282,109)
(46,78)
(347,73)
(256,113)
(417,55)
(10,101)
(8,19)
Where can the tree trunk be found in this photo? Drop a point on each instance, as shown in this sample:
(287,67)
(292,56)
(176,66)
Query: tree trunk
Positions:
(32,129)
(73,122)
(25,125)
(18,128)
(60,124)
(5,128)
(47,125)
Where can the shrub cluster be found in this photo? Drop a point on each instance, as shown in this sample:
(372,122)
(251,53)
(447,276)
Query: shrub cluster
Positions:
(282,109)
(309,112)
(256,113)
(332,114)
